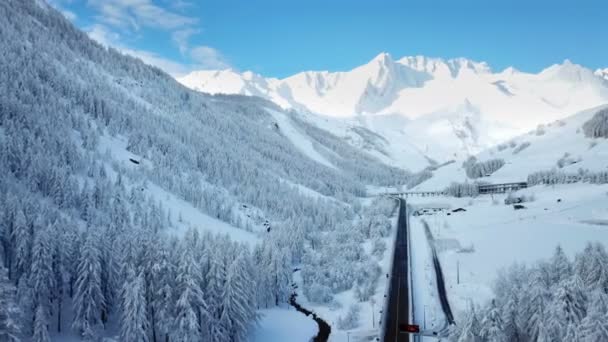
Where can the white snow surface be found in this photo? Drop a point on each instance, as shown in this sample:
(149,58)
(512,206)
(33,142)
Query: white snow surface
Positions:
(448,108)
(548,144)
(191,216)
(282,324)
(501,236)
(298,138)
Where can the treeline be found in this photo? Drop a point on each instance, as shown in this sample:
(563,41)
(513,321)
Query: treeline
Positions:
(80,229)
(338,261)
(597,126)
(555,300)
(475,169)
(561,177)
(462,189)
(108,257)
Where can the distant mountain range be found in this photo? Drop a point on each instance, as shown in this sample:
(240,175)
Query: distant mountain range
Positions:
(423,107)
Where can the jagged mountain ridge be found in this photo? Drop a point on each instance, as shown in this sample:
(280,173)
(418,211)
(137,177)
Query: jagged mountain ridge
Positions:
(450,108)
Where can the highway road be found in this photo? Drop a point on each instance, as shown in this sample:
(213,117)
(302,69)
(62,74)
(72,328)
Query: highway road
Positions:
(399,307)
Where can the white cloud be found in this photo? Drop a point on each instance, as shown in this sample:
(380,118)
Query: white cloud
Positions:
(103,35)
(117,18)
(208,58)
(71,16)
(134,14)
(182,37)
(202,57)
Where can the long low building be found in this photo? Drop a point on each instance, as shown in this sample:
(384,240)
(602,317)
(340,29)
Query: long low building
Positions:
(501,188)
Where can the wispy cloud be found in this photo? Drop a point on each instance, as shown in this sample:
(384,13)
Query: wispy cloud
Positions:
(135,14)
(182,38)
(208,58)
(201,57)
(117,22)
(71,16)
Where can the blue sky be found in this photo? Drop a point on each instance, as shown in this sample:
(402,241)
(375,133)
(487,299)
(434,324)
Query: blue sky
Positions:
(281,37)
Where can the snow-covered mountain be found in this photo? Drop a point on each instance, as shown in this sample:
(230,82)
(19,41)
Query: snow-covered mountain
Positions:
(437,108)
(602,73)
(563,146)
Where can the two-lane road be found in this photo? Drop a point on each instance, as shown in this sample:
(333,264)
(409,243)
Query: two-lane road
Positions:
(399,307)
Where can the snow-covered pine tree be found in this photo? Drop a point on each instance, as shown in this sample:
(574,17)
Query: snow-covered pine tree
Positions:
(572,333)
(42,281)
(597,277)
(492,326)
(238,308)
(583,261)
(561,268)
(280,268)
(190,308)
(22,245)
(594,327)
(10,315)
(215,280)
(470,331)
(134,324)
(542,334)
(536,306)
(163,276)
(567,308)
(88,296)
(41,327)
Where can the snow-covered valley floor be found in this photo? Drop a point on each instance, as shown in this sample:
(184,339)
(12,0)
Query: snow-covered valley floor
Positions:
(475,244)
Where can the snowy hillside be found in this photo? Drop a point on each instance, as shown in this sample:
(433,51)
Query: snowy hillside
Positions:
(133,208)
(560,145)
(449,108)
(488,242)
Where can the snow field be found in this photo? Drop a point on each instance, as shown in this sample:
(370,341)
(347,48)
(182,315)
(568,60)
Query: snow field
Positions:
(500,236)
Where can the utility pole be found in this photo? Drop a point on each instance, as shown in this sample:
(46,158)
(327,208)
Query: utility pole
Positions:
(372,301)
(457,271)
(424,323)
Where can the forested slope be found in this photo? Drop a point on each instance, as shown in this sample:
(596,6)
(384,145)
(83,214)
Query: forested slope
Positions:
(83,241)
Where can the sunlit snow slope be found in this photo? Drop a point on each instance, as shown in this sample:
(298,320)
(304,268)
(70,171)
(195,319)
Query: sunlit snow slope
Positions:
(431,107)
(560,145)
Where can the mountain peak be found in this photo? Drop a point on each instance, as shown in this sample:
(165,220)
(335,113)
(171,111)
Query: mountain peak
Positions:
(603,73)
(383,57)
(568,71)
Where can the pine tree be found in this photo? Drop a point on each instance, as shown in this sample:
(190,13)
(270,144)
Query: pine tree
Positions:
(594,327)
(163,275)
(10,315)
(238,307)
(42,281)
(134,325)
(492,326)
(41,328)
(22,241)
(598,272)
(561,267)
(536,306)
(542,334)
(511,319)
(42,278)
(280,269)
(572,334)
(88,298)
(215,280)
(191,310)
(567,307)
(471,329)
(582,264)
